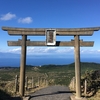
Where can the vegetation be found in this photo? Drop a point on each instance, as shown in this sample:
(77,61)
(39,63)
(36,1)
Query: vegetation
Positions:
(93,81)
(61,74)
(55,74)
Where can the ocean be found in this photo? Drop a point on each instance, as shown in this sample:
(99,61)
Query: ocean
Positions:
(15,62)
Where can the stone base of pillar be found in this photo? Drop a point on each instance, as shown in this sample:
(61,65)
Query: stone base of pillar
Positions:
(75,98)
(25,98)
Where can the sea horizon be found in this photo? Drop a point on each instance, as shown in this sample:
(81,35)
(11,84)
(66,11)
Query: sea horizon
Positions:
(15,62)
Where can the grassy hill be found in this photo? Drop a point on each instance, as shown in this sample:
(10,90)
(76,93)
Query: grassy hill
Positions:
(55,74)
(60,74)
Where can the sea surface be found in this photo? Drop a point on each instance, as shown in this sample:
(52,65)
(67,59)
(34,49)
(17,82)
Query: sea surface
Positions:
(15,62)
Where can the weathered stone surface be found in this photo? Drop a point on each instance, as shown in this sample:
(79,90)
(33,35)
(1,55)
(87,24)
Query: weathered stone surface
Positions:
(22,66)
(58,43)
(77,67)
(59,31)
(74,98)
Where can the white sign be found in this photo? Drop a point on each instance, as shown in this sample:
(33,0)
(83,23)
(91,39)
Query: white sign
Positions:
(50,37)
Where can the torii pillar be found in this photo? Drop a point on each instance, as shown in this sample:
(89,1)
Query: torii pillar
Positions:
(77,67)
(22,66)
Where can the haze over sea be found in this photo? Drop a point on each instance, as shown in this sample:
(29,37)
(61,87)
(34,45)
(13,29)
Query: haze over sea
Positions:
(15,62)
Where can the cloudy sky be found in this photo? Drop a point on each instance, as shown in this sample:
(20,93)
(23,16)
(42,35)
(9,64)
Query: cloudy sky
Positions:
(50,14)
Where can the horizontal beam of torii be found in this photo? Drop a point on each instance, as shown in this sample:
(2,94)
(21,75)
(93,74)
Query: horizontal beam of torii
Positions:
(59,31)
(58,43)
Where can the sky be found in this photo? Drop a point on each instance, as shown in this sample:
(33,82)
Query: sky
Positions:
(50,14)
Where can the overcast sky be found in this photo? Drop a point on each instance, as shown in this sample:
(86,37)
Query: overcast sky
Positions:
(50,14)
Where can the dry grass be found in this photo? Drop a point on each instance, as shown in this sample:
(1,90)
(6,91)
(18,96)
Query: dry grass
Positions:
(96,96)
(56,75)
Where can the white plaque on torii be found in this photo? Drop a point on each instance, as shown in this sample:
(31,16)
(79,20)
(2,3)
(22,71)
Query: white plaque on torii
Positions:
(50,37)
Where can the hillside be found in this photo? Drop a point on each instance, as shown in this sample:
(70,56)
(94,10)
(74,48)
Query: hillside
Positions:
(54,72)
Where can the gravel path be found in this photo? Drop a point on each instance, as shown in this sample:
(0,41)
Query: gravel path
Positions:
(52,93)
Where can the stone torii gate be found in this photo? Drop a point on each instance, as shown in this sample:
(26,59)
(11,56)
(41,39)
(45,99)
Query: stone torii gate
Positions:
(76,32)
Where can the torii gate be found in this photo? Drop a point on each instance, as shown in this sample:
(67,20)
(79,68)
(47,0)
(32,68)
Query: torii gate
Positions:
(51,34)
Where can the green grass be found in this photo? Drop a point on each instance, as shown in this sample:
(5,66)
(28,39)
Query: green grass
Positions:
(55,74)
(61,74)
